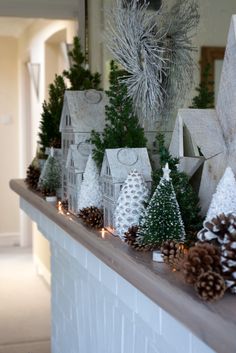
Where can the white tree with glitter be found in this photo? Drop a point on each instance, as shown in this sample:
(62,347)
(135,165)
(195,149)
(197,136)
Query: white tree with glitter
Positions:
(50,178)
(131,203)
(224,199)
(91,191)
(162,219)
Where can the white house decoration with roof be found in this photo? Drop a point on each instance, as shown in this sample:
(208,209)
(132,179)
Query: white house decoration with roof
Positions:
(117,163)
(82,112)
(75,165)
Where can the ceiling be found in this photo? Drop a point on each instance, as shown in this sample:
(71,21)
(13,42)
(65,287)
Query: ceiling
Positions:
(17,15)
(57,9)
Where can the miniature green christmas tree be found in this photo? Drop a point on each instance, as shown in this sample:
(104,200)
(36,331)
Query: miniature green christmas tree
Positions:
(50,178)
(205,98)
(49,135)
(122,126)
(79,77)
(162,219)
(187,198)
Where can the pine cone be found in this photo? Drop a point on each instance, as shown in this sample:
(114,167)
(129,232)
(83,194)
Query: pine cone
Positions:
(218,227)
(210,286)
(131,238)
(173,254)
(228,261)
(92,217)
(169,249)
(201,258)
(64,204)
(32,176)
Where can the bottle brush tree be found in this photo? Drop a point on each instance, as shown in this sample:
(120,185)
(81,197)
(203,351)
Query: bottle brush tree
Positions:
(187,198)
(122,127)
(162,218)
(50,178)
(49,135)
(80,78)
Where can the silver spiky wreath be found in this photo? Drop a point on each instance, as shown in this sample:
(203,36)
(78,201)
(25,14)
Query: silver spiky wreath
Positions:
(155,49)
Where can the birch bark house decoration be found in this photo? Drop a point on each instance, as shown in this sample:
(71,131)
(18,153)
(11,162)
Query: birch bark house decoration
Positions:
(155,49)
(211,133)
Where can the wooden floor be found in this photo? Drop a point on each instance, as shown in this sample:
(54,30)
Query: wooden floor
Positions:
(24,304)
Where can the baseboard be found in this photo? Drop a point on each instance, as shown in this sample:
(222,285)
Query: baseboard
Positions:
(9,239)
(42,270)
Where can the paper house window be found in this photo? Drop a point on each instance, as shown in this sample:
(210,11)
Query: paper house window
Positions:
(108,171)
(112,190)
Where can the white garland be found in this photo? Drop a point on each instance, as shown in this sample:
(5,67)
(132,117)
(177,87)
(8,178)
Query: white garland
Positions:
(155,49)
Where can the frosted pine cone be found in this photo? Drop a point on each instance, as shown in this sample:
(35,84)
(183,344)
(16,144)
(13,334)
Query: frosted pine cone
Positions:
(210,286)
(228,261)
(130,204)
(218,227)
(200,259)
(92,217)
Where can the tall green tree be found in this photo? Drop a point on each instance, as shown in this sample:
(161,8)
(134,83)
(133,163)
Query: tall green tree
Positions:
(122,126)
(80,78)
(205,98)
(162,218)
(49,135)
(187,198)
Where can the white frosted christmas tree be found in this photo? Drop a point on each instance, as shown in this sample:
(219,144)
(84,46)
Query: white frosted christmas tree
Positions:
(224,199)
(91,191)
(162,219)
(130,203)
(50,178)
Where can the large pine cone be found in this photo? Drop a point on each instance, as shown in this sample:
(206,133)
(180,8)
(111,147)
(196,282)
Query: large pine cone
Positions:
(131,238)
(218,227)
(92,217)
(210,286)
(228,261)
(32,176)
(201,258)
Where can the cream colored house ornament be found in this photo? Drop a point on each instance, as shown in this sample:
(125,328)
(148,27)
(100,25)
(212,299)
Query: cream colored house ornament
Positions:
(206,139)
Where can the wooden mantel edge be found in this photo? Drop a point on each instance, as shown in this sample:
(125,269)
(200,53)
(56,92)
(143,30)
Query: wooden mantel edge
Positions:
(214,324)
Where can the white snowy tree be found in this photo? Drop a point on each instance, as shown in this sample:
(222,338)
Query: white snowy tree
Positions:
(224,199)
(130,203)
(91,191)
(50,178)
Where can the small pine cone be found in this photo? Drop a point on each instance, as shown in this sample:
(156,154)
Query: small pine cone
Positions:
(228,261)
(92,217)
(210,286)
(32,176)
(218,227)
(201,258)
(64,204)
(169,250)
(131,238)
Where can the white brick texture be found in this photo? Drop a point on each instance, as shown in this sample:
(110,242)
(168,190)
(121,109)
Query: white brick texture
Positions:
(95,310)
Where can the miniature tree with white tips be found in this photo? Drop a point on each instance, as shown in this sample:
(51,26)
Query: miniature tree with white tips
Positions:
(131,203)
(224,199)
(162,219)
(50,178)
(91,191)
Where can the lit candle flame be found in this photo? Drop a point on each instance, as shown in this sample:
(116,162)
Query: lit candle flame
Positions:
(103,233)
(59,206)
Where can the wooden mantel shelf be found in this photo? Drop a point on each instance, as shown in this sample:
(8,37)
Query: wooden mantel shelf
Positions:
(214,324)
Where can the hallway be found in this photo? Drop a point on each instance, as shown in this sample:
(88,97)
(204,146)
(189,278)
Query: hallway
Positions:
(24,304)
